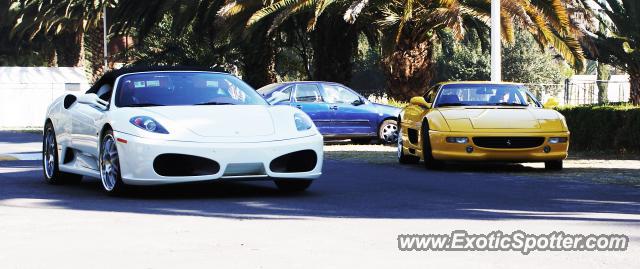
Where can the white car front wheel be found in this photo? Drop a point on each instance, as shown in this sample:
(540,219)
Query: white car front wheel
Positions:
(293,185)
(110,173)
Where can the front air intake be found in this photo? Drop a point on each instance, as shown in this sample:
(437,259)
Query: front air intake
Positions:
(295,162)
(181,165)
(508,142)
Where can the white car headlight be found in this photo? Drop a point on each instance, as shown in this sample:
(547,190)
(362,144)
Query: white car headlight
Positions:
(302,123)
(148,124)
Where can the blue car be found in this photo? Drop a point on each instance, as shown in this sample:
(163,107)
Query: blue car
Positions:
(337,111)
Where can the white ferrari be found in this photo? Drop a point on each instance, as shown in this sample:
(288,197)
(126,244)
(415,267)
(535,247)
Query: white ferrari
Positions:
(158,127)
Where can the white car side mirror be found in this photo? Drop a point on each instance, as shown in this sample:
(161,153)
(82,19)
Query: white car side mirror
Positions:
(94,100)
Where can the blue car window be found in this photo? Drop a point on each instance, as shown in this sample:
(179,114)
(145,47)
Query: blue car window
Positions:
(307,93)
(280,96)
(347,96)
(336,94)
(267,90)
(331,94)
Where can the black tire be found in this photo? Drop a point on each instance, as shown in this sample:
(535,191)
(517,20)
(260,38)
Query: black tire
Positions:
(427,156)
(293,185)
(553,165)
(50,160)
(388,132)
(109,164)
(361,141)
(403,158)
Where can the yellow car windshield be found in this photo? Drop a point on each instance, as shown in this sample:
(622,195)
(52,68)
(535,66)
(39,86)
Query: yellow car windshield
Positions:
(484,95)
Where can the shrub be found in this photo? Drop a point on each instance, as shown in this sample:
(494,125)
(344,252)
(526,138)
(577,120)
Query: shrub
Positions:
(604,129)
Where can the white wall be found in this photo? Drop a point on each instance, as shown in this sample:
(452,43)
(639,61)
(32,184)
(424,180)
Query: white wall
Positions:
(25,92)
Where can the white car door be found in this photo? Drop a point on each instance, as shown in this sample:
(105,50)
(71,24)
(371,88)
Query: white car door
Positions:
(85,129)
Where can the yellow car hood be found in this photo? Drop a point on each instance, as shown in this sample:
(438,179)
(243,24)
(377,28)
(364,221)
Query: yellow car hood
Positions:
(497,119)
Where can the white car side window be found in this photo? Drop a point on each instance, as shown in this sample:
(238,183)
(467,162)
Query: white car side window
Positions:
(104,92)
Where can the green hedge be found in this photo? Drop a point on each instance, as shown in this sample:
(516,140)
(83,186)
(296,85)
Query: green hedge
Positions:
(605,129)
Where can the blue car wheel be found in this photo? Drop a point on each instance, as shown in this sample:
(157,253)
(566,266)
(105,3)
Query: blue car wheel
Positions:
(388,132)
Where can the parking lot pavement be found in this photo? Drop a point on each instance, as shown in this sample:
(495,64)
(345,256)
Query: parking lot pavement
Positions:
(20,145)
(351,217)
(612,170)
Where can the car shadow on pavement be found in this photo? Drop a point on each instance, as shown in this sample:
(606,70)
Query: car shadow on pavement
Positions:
(347,190)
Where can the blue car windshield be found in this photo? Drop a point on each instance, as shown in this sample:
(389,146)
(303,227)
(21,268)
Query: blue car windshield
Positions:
(485,95)
(184,89)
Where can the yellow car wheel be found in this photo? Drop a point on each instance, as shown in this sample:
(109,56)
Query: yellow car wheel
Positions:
(427,156)
(403,158)
(553,165)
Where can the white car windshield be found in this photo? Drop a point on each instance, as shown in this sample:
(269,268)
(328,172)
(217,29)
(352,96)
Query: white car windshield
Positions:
(485,95)
(184,89)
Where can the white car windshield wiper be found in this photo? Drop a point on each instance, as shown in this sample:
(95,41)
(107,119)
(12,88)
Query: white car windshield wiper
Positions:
(213,104)
(143,105)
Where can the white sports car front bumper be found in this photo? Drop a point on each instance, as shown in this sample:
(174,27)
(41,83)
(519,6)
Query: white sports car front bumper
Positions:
(240,161)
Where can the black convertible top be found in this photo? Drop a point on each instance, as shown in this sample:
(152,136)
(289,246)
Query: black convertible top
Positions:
(111,76)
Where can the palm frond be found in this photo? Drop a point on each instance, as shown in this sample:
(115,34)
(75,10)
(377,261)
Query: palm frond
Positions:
(271,9)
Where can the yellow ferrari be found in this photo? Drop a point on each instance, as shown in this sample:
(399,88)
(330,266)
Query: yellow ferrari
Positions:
(481,121)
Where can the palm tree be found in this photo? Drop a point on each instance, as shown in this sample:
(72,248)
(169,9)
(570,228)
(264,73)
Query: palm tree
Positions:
(256,44)
(20,52)
(217,22)
(63,22)
(333,39)
(617,43)
(411,28)
(414,26)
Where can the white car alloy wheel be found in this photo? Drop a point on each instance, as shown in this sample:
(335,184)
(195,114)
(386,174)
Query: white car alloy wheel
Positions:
(48,154)
(50,169)
(389,131)
(109,163)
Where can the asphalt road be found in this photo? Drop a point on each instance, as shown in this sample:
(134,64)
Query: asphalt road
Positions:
(350,217)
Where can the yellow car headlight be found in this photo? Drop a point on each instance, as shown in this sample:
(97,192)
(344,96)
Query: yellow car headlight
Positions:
(457,140)
(558,140)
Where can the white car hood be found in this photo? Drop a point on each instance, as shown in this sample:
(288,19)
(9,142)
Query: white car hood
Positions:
(219,120)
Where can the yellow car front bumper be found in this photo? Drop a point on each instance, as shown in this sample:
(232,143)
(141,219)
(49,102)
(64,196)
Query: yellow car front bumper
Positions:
(443,150)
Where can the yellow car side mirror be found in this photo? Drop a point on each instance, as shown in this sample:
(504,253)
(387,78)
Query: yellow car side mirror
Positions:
(419,101)
(551,103)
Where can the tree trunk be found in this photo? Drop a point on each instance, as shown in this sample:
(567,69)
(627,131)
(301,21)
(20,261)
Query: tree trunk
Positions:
(334,42)
(94,52)
(259,57)
(408,69)
(603,82)
(634,80)
(69,48)
(52,60)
